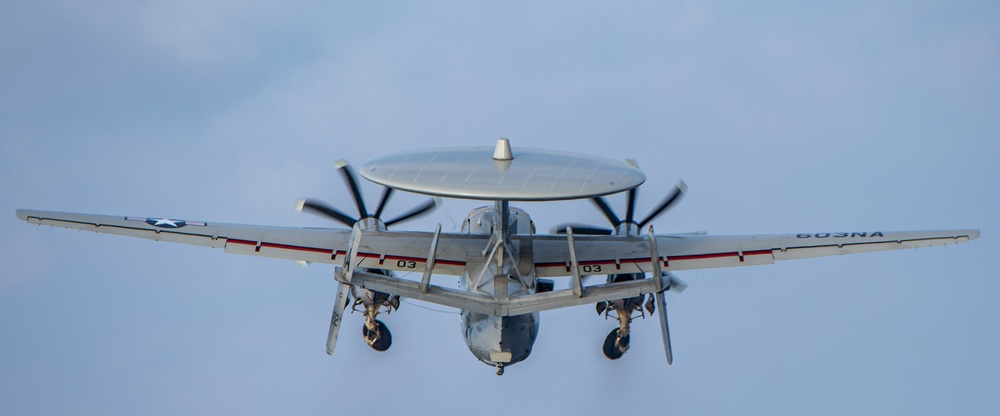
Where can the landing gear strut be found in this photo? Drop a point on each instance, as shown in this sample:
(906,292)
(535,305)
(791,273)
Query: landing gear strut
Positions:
(617,341)
(376,334)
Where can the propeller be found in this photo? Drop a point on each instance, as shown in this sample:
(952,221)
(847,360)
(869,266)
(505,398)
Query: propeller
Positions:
(667,202)
(376,333)
(632,226)
(350,177)
(614,345)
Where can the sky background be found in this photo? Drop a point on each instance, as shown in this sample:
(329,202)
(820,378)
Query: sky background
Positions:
(781,117)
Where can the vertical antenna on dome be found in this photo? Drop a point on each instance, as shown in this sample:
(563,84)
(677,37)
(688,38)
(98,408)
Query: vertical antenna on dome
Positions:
(502,151)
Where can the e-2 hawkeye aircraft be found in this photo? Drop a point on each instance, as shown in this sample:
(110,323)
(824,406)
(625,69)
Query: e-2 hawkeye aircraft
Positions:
(507,271)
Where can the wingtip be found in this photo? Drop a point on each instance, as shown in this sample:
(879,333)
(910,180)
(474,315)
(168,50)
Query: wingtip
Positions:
(973,234)
(22,214)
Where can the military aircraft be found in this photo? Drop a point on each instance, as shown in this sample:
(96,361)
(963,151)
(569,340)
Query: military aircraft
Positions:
(507,271)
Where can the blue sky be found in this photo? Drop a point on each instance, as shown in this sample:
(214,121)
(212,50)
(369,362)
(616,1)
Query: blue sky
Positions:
(780,116)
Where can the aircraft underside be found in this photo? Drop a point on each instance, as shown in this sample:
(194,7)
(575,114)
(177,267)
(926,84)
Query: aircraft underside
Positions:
(500,341)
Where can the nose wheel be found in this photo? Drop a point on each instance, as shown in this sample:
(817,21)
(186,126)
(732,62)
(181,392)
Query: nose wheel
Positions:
(615,345)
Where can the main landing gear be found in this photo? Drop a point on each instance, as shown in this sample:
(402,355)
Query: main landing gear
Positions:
(376,333)
(617,341)
(615,344)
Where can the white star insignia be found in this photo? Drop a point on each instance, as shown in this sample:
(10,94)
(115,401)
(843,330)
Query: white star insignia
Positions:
(166,222)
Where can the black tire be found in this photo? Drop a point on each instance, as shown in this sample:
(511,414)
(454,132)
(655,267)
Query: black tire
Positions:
(384,340)
(610,349)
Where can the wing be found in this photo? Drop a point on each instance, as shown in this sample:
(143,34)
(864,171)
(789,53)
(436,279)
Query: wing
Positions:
(315,245)
(405,251)
(610,254)
(549,255)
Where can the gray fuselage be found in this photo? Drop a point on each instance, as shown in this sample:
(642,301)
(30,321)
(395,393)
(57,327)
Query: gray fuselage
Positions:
(495,340)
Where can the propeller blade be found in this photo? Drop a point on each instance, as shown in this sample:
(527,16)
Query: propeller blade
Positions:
(661,307)
(352,182)
(416,212)
(630,208)
(676,285)
(320,207)
(580,229)
(381,203)
(667,202)
(339,304)
(603,206)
